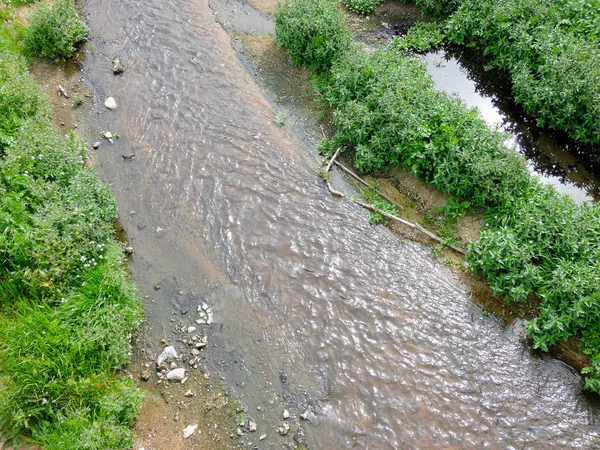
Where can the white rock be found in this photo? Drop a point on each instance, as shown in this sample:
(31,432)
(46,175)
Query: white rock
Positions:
(200,344)
(189,393)
(189,430)
(252,426)
(262,436)
(168,353)
(176,375)
(200,321)
(286,414)
(195,352)
(191,329)
(173,365)
(304,415)
(110,103)
(107,135)
(205,306)
(210,318)
(239,431)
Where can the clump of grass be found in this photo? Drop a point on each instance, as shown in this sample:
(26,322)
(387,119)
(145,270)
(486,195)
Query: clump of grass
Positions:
(55,30)
(77,100)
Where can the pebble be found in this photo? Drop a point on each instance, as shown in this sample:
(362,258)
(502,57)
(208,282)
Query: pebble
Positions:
(95,145)
(262,437)
(145,375)
(200,344)
(284,429)
(239,431)
(191,329)
(107,135)
(110,103)
(286,414)
(304,415)
(156,287)
(117,66)
(195,352)
(189,393)
(189,430)
(173,365)
(252,426)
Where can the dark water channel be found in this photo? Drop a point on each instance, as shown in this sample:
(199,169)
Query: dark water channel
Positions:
(314,308)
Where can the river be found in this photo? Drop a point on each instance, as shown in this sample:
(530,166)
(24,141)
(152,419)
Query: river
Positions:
(315,309)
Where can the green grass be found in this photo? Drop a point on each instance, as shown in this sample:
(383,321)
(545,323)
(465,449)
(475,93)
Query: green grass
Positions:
(537,246)
(67,309)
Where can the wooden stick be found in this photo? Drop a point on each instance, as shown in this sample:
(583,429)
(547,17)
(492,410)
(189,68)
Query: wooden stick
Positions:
(337,152)
(409,224)
(353,175)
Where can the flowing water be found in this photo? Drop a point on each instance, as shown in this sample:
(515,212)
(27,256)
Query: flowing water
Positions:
(314,307)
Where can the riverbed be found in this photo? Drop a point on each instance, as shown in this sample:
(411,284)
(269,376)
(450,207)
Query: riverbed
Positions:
(315,309)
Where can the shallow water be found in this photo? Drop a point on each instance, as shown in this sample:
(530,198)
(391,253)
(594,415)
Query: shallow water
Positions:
(314,307)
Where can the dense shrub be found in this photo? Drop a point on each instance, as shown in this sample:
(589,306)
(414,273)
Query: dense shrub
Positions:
(54,31)
(314,32)
(363,6)
(550,48)
(67,311)
(388,110)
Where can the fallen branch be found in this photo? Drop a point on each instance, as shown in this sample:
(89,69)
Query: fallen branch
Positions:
(356,177)
(333,191)
(337,152)
(416,226)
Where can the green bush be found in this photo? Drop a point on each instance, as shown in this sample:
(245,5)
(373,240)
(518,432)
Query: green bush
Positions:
(550,49)
(55,31)
(313,32)
(363,6)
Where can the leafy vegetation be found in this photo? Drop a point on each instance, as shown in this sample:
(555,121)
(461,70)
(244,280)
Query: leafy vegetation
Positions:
(55,30)
(549,48)
(67,311)
(538,246)
(363,6)
(313,32)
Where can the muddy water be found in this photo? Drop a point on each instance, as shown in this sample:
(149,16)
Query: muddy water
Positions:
(314,308)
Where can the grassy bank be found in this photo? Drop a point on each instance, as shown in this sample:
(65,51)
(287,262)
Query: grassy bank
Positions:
(537,245)
(67,310)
